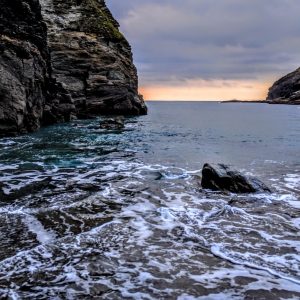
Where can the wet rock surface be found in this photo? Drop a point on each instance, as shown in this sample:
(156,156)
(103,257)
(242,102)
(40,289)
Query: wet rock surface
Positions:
(91,58)
(60,60)
(220,177)
(113,123)
(111,226)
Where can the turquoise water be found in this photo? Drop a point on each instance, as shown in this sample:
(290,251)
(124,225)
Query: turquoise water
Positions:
(113,214)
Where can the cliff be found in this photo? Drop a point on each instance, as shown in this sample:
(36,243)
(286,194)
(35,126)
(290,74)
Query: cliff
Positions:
(286,90)
(62,59)
(23,66)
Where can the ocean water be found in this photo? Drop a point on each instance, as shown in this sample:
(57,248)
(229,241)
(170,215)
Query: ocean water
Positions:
(94,214)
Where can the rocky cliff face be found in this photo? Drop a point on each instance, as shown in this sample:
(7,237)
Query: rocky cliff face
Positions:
(286,89)
(91,58)
(23,67)
(61,59)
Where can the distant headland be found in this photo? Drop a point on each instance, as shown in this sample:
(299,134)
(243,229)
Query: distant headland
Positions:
(286,90)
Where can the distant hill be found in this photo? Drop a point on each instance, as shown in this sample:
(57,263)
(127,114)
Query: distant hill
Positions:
(286,89)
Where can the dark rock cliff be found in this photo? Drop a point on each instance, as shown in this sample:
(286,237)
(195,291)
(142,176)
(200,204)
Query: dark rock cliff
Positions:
(23,67)
(91,58)
(286,89)
(62,59)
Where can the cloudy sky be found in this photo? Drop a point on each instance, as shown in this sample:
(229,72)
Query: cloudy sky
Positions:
(210,49)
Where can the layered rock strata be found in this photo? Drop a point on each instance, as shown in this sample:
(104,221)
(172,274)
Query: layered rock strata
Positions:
(62,59)
(91,58)
(23,66)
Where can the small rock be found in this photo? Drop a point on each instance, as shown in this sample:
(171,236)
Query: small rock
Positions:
(219,177)
(2,194)
(89,187)
(152,175)
(113,123)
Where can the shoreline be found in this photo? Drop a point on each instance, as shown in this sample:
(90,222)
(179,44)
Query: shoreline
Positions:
(287,102)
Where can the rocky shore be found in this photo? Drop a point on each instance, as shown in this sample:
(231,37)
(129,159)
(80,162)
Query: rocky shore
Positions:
(275,101)
(61,60)
(286,90)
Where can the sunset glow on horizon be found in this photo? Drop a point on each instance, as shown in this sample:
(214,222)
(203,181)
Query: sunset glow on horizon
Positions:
(207,91)
(210,50)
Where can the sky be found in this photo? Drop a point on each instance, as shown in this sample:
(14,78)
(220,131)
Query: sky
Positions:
(210,49)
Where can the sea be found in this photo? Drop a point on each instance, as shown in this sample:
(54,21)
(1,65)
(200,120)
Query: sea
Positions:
(87,213)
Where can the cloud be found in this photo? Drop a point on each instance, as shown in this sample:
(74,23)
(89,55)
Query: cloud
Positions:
(178,41)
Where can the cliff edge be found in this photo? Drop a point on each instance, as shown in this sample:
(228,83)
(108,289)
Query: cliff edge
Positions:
(60,60)
(286,90)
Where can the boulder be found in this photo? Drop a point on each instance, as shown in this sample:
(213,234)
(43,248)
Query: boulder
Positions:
(113,123)
(220,177)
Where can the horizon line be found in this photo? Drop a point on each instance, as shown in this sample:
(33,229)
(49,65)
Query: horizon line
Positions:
(201,100)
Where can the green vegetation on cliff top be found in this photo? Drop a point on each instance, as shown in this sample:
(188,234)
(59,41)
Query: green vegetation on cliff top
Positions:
(97,19)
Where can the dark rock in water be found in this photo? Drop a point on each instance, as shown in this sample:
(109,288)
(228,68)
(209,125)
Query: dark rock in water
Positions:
(112,123)
(286,90)
(28,189)
(85,186)
(219,177)
(2,194)
(60,60)
(152,175)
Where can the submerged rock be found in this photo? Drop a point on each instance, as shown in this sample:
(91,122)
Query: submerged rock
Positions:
(2,194)
(286,90)
(29,189)
(60,60)
(219,177)
(113,123)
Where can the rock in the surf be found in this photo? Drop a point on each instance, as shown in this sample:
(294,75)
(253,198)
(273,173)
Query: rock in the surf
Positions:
(113,123)
(220,177)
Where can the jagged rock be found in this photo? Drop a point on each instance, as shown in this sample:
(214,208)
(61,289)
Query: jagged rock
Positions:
(23,67)
(62,59)
(286,90)
(91,58)
(112,123)
(219,177)
(28,189)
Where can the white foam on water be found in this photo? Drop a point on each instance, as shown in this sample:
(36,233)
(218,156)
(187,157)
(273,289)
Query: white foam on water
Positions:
(220,296)
(142,230)
(292,181)
(295,203)
(7,142)
(177,214)
(296,222)
(217,250)
(35,226)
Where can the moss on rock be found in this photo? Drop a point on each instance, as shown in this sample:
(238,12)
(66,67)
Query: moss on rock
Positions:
(97,19)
